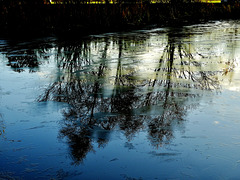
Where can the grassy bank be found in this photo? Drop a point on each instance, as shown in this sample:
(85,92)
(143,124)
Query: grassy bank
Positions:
(90,18)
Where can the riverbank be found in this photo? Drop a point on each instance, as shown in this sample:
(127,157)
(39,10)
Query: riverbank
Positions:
(32,19)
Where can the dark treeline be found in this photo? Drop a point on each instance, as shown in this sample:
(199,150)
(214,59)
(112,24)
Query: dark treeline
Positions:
(31,17)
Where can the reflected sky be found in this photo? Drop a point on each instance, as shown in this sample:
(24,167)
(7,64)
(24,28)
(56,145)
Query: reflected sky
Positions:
(149,104)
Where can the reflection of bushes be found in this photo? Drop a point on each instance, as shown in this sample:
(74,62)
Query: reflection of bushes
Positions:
(18,62)
(24,55)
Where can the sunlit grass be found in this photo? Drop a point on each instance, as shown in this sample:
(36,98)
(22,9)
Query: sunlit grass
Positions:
(113,2)
(210,1)
(84,2)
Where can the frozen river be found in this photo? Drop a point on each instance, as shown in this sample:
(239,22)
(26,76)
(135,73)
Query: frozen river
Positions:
(149,104)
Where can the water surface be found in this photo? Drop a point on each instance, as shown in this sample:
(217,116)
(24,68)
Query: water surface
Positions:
(149,104)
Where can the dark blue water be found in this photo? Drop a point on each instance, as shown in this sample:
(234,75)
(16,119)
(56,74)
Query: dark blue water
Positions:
(148,104)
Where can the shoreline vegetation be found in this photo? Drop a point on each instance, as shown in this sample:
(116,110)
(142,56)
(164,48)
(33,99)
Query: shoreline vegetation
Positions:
(33,18)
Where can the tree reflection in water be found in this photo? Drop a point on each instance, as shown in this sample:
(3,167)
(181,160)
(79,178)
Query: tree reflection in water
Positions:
(103,98)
